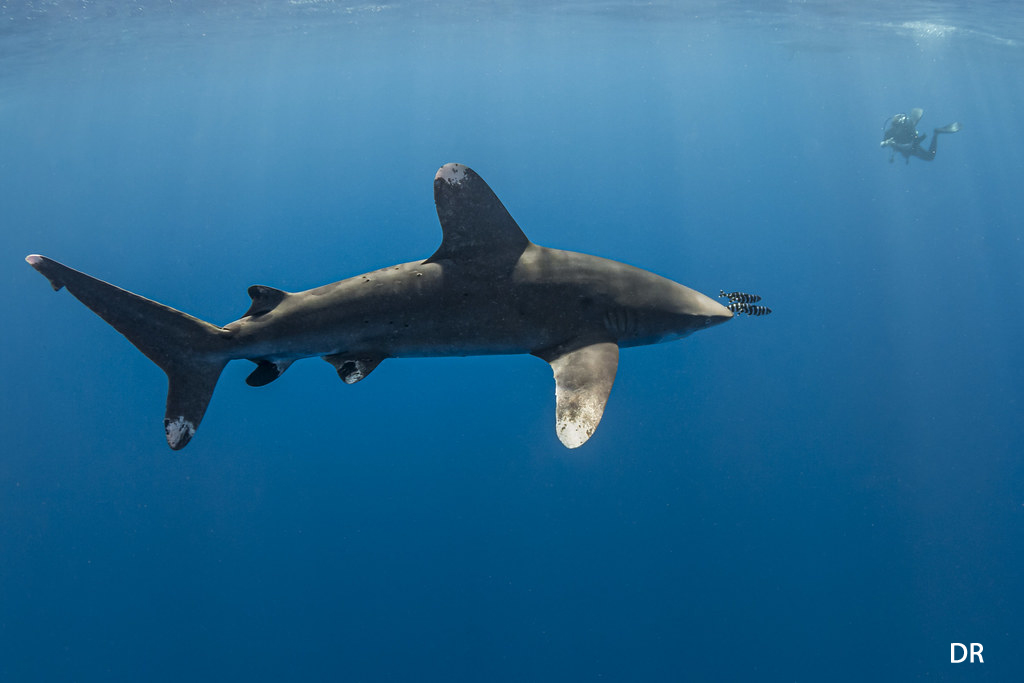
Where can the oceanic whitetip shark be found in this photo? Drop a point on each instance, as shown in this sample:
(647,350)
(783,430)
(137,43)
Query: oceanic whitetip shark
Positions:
(486,290)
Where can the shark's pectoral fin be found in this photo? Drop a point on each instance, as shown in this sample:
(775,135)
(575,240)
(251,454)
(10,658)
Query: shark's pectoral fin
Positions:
(352,369)
(583,379)
(266,372)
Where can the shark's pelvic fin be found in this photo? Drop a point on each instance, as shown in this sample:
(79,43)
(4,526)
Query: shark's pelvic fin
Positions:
(477,230)
(352,369)
(187,349)
(264,300)
(583,380)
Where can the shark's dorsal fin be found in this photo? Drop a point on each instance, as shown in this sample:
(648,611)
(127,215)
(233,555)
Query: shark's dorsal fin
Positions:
(583,379)
(264,299)
(476,228)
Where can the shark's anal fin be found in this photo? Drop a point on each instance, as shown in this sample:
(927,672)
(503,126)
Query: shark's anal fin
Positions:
(583,379)
(351,369)
(266,372)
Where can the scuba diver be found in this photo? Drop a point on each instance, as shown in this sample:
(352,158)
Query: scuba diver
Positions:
(901,136)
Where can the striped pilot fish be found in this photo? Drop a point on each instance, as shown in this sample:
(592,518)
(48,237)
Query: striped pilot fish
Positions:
(738,297)
(750,309)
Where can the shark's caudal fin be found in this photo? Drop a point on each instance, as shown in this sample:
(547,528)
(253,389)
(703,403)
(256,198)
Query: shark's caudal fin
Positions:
(189,350)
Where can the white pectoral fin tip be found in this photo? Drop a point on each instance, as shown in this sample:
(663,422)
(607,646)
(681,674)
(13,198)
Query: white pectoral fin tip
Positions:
(453,174)
(575,431)
(179,432)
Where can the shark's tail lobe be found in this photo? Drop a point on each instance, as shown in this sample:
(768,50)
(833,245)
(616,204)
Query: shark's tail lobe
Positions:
(190,351)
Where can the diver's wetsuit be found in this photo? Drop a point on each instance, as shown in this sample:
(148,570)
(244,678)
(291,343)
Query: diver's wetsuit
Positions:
(902,136)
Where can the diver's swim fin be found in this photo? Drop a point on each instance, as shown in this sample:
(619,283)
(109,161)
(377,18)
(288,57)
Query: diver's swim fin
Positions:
(915,115)
(951,128)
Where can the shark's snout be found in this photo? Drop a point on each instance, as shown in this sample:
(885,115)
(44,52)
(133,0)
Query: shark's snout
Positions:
(714,313)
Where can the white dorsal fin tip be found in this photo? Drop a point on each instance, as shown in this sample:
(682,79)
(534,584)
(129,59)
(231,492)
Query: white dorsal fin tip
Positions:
(453,174)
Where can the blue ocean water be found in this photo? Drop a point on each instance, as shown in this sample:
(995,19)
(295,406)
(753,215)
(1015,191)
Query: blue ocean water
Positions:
(830,493)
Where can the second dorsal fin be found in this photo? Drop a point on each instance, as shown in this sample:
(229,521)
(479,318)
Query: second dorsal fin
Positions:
(264,299)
